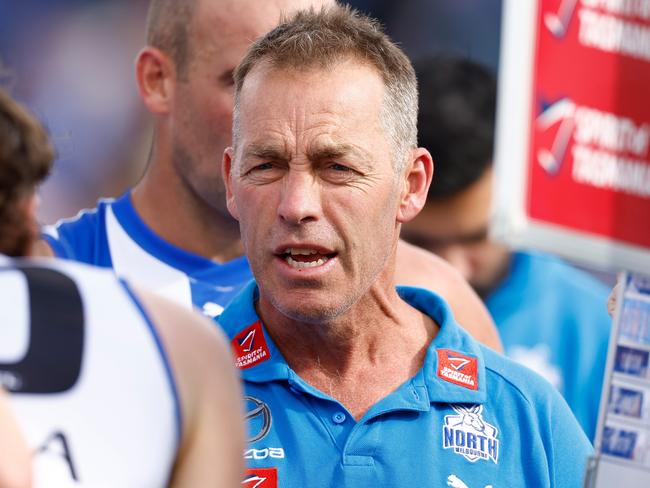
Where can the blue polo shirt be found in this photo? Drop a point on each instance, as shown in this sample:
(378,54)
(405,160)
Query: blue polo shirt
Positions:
(469,417)
(553,318)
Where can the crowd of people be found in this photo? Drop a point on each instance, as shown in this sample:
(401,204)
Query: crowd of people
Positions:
(287,156)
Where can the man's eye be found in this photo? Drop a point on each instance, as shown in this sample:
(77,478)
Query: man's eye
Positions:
(264,172)
(340,167)
(262,167)
(339,173)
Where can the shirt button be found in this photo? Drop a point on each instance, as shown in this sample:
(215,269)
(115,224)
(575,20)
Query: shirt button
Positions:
(338,418)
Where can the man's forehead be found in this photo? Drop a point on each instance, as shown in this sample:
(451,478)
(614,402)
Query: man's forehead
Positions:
(321,75)
(329,100)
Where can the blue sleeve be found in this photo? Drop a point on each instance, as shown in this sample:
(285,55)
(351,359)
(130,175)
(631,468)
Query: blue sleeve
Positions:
(552,445)
(82,238)
(560,448)
(570,448)
(59,247)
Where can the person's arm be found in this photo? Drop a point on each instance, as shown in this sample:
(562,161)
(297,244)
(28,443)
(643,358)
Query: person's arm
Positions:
(15,458)
(212,447)
(417,267)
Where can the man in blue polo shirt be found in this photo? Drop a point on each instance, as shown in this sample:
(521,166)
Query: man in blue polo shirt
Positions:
(551,315)
(349,381)
(172,233)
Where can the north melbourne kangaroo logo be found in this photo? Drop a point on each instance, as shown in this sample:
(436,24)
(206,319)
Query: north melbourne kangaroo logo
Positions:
(469,435)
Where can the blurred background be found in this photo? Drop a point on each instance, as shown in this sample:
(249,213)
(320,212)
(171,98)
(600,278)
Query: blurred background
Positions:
(72,63)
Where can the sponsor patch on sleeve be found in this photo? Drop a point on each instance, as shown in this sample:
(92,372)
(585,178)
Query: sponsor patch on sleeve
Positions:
(458,369)
(250,346)
(261,478)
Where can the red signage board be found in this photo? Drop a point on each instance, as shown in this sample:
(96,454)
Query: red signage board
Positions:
(586,117)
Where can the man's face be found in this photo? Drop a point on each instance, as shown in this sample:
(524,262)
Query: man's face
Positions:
(312,184)
(219,36)
(456,229)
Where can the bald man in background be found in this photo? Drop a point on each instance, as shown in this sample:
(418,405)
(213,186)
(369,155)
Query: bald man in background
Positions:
(172,233)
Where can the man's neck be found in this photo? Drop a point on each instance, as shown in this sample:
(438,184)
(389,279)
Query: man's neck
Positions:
(176,214)
(359,357)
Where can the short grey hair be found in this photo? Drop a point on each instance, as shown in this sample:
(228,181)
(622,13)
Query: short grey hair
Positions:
(322,38)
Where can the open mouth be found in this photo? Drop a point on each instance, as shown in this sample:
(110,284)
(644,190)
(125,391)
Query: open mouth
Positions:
(302,258)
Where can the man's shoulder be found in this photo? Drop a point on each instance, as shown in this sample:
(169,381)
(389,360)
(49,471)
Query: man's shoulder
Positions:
(553,270)
(418,267)
(523,384)
(550,289)
(80,237)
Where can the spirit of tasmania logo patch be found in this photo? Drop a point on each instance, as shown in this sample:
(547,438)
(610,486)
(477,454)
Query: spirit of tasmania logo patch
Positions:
(261,478)
(469,435)
(458,369)
(250,346)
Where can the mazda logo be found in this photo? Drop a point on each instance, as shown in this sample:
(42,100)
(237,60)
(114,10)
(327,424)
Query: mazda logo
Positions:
(258,417)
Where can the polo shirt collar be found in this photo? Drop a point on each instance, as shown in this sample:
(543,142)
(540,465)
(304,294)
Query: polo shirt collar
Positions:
(451,354)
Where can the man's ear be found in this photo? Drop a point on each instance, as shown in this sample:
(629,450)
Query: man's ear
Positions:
(416,181)
(226,174)
(156,78)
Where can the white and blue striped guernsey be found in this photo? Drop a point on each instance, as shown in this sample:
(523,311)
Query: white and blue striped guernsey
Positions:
(469,418)
(92,386)
(113,235)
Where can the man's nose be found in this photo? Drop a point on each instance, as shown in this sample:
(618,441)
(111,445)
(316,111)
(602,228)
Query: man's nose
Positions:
(300,199)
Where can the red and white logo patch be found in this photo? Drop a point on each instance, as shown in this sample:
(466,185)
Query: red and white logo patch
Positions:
(261,478)
(250,346)
(458,369)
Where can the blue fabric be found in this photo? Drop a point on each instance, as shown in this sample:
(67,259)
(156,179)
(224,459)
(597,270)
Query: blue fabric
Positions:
(84,239)
(517,421)
(546,302)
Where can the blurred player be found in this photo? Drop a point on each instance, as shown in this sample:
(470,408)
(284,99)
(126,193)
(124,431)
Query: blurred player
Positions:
(172,232)
(110,386)
(550,315)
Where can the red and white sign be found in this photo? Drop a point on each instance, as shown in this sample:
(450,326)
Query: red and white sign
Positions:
(261,478)
(250,346)
(457,368)
(573,132)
